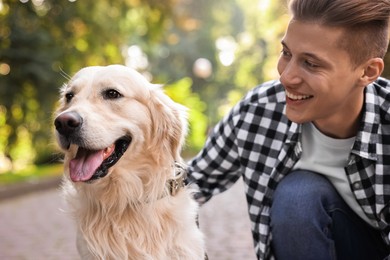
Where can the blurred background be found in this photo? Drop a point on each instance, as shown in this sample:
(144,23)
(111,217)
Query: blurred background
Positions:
(206,53)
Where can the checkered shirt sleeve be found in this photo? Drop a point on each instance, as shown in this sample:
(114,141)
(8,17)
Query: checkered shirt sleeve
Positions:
(229,149)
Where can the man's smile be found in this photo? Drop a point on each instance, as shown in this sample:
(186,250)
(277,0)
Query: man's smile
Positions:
(297,97)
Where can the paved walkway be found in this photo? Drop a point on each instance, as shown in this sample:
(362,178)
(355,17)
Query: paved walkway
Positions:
(34,227)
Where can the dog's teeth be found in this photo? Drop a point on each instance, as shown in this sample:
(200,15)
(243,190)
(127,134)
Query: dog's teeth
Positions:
(108,151)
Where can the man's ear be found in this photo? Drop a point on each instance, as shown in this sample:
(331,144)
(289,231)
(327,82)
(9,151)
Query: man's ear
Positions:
(373,68)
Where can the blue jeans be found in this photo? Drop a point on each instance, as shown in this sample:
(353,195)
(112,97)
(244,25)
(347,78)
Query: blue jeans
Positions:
(309,220)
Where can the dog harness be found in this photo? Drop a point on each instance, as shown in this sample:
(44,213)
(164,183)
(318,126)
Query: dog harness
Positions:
(178,181)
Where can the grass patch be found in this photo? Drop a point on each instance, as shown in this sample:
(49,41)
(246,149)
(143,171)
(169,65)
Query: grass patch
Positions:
(31,173)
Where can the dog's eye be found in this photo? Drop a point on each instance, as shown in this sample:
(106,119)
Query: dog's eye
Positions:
(69,96)
(111,94)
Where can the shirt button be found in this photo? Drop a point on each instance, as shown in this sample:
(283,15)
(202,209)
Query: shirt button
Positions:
(357,185)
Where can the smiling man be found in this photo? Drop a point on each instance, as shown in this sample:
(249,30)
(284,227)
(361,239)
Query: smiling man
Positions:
(313,147)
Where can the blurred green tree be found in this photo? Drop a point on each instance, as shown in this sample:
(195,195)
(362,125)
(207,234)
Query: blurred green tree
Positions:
(225,46)
(42,41)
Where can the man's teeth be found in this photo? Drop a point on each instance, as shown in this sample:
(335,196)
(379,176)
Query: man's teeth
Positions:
(296,97)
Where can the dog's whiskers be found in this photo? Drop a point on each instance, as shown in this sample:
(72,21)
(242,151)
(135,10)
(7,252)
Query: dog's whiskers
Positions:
(64,74)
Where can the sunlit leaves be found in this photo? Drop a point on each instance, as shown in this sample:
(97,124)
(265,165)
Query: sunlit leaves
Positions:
(41,38)
(181,92)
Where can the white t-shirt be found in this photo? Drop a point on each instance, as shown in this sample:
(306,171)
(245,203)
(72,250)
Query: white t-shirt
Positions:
(329,156)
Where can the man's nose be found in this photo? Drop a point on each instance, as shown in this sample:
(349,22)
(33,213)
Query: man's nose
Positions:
(291,75)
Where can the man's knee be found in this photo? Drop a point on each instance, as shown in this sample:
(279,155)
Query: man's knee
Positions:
(300,196)
(299,221)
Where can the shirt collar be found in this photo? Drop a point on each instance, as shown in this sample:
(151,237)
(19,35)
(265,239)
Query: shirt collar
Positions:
(367,137)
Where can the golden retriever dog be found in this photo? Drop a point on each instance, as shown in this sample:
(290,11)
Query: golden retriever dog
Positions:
(123,174)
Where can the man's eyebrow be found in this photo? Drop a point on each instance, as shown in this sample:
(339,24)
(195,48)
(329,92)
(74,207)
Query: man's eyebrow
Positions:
(308,54)
(284,44)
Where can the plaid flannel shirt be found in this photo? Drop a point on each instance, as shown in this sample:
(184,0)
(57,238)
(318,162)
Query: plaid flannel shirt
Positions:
(256,141)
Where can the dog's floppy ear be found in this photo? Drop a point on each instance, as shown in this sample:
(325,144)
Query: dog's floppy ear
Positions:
(169,123)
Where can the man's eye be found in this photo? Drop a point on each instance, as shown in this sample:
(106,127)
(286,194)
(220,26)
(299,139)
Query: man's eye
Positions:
(310,64)
(285,53)
(111,94)
(69,96)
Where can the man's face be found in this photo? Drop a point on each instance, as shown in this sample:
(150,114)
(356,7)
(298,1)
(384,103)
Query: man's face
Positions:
(321,83)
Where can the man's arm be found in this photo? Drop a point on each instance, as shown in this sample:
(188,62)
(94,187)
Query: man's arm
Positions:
(217,166)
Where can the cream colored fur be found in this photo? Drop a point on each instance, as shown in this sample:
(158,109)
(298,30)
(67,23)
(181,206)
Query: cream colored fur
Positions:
(129,214)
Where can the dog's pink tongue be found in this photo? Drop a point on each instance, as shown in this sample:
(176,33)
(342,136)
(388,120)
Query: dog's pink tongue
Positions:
(84,165)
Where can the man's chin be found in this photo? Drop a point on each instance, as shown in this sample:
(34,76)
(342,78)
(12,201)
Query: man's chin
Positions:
(298,119)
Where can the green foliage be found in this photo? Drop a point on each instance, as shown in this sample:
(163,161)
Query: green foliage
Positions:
(39,39)
(180,92)
(214,30)
(4,129)
(31,173)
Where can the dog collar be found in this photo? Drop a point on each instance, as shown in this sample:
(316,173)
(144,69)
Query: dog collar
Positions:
(178,181)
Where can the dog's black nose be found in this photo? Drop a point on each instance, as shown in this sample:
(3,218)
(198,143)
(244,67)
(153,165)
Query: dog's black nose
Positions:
(67,123)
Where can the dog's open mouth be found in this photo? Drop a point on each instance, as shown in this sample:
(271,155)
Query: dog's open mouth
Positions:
(89,165)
